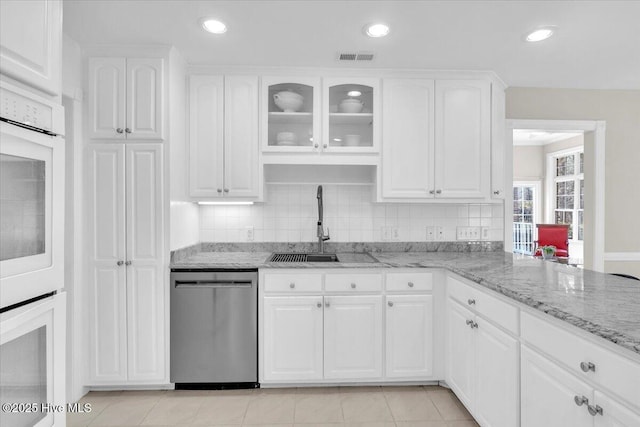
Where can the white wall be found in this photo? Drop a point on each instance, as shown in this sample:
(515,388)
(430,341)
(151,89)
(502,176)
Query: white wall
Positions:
(291,212)
(184,217)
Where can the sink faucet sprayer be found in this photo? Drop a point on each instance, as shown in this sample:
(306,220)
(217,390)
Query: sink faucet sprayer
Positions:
(321,236)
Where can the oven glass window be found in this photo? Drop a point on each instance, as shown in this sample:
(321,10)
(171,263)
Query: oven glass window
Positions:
(23,378)
(22,207)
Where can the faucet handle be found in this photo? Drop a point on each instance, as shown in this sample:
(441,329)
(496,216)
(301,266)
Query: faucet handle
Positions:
(327,236)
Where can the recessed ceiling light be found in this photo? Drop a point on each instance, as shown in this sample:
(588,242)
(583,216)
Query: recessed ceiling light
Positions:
(540,34)
(354,93)
(214,26)
(376,30)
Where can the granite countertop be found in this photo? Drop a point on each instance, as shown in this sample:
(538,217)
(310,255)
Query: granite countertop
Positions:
(605,305)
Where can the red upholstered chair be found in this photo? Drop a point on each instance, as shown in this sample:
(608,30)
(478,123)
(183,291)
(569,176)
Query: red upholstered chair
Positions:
(553,235)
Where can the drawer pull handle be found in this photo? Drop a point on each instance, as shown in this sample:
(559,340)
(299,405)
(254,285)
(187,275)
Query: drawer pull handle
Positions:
(410,284)
(469,322)
(587,366)
(353,286)
(319,305)
(595,410)
(292,285)
(471,301)
(474,325)
(390,303)
(580,400)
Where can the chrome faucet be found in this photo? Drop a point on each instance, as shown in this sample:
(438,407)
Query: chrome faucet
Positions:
(321,236)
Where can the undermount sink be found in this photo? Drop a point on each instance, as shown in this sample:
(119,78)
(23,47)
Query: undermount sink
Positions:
(302,257)
(346,257)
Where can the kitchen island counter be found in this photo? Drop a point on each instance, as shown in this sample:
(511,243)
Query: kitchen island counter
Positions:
(605,305)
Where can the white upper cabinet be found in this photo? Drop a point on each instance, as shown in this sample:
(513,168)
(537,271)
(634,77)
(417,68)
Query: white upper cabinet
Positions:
(408,138)
(31,43)
(436,139)
(463,138)
(291,114)
(126,98)
(223,137)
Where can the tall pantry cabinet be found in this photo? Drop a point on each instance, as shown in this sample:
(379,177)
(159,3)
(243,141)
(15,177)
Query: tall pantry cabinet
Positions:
(126,221)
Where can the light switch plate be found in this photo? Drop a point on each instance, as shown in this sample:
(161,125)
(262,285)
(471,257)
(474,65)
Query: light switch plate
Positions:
(249,233)
(468,233)
(431,233)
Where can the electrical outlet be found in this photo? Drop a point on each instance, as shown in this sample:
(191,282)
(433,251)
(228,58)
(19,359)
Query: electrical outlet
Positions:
(249,232)
(386,233)
(395,234)
(484,233)
(439,233)
(431,233)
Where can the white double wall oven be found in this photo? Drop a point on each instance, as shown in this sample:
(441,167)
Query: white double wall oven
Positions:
(32,298)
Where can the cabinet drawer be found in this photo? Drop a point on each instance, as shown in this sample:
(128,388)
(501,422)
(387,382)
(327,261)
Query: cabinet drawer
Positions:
(286,282)
(409,281)
(610,370)
(353,282)
(502,313)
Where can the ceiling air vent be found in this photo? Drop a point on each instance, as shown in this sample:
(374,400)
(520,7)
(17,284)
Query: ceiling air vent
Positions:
(355,56)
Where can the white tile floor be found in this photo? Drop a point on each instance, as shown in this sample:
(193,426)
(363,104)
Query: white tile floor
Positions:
(428,406)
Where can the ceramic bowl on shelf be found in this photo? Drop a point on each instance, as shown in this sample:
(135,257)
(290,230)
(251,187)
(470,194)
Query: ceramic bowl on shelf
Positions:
(286,138)
(351,140)
(351,106)
(288,101)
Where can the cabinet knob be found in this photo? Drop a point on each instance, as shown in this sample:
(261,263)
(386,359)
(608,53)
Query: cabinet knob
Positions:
(127,262)
(469,322)
(471,301)
(315,145)
(327,304)
(292,285)
(432,191)
(438,191)
(324,145)
(127,130)
(497,192)
(226,190)
(474,325)
(410,284)
(119,263)
(587,366)
(390,303)
(353,286)
(580,400)
(219,190)
(594,410)
(119,130)
(319,305)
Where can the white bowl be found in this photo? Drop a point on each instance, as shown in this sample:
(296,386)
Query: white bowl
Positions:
(351,106)
(286,138)
(288,101)
(351,140)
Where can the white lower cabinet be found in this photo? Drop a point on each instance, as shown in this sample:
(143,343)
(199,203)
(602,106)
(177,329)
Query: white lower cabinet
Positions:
(482,367)
(551,396)
(293,335)
(409,336)
(352,337)
(125,257)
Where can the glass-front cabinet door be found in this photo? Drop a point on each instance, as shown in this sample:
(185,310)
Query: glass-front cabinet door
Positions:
(292,119)
(351,111)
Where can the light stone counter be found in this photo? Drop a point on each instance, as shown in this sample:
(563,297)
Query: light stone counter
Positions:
(605,305)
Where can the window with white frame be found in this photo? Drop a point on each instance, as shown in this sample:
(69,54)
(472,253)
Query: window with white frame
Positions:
(568,189)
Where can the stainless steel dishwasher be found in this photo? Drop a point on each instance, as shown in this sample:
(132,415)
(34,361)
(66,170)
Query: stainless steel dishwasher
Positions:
(214,328)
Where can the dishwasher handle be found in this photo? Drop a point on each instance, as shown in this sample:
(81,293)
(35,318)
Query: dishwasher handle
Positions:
(213,283)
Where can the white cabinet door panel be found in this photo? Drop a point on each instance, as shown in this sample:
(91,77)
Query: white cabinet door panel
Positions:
(548,394)
(353,337)
(409,333)
(460,353)
(107,85)
(206,136)
(407,138)
(241,136)
(615,414)
(463,137)
(497,371)
(31,42)
(144,98)
(292,338)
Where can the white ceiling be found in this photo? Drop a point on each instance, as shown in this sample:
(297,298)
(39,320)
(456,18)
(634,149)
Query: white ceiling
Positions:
(540,137)
(597,44)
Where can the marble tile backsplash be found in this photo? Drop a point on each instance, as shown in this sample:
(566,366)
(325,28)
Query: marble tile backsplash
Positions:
(291,212)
